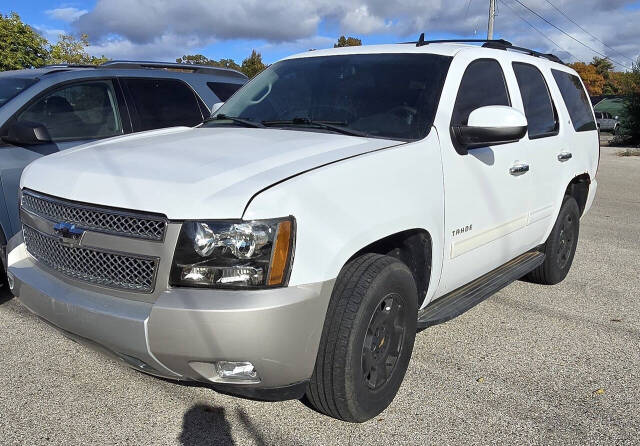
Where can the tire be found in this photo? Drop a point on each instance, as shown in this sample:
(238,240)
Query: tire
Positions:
(356,375)
(560,247)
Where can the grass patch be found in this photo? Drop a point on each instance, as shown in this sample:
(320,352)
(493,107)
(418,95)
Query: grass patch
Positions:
(629,152)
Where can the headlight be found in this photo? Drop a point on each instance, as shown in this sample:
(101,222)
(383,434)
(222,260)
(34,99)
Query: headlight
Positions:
(233,254)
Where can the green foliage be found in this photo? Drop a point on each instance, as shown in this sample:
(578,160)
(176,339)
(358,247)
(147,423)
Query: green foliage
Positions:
(199,59)
(72,50)
(20,46)
(253,64)
(631,121)
(347,41)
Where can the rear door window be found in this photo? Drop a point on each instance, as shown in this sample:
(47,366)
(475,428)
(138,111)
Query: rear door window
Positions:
(84,110)
(576,100)
(160,103)
(538,106)
(224,90)
(482,84)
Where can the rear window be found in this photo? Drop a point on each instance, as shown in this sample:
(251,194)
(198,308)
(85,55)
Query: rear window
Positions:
(224,90)
(163,103)
(576,101)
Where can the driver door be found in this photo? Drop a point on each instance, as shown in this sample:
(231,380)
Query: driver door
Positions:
(486,202)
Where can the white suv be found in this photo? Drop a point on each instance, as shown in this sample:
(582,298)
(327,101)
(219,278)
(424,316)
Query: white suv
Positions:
(336,204)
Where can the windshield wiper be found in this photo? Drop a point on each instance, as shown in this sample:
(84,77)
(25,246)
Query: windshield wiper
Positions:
(245,122)
(335,126)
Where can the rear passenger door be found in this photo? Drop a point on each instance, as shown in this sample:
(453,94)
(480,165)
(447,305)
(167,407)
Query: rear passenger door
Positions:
(159,103)
(544,145)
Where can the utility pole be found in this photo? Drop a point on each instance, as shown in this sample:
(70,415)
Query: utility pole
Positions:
(492,17)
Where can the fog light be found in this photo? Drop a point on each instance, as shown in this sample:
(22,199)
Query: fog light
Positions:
(241,371)
(11,281)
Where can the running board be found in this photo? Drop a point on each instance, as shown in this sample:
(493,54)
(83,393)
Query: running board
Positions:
(468,296)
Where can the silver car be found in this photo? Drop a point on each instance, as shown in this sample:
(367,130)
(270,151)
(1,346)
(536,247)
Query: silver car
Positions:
(607,123)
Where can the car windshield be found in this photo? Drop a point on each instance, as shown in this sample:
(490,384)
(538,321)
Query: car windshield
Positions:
(10,87)
(392,96)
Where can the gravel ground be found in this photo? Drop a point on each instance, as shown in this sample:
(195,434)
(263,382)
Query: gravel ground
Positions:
(531,365)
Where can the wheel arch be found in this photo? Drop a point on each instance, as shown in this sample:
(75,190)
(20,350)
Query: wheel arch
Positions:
(413,247)
(578,188)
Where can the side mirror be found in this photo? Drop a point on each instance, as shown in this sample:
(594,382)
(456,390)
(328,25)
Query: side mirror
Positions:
(215,107)
(490,126)
(27,133)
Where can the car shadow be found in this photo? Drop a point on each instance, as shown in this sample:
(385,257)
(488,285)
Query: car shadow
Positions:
(204,424)
(5,294)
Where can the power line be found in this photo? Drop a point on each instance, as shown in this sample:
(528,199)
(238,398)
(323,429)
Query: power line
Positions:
(587,32)
(536,29)
(569,35)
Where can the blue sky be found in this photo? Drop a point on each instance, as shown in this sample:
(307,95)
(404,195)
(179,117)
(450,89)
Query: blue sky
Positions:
(166,29)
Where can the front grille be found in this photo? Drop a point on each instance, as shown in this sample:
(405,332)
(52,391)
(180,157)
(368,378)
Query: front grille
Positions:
(96,219)
(98,267)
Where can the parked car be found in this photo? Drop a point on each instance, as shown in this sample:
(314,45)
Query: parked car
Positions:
(340,201)
(607,123)
(45,110)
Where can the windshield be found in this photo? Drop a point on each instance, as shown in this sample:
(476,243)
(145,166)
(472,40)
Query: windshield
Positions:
(391,96)
(13,86)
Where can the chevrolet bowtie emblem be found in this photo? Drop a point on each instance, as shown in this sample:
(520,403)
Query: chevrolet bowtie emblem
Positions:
(68,234)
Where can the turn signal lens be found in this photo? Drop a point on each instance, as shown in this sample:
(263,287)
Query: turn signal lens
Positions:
(280,254)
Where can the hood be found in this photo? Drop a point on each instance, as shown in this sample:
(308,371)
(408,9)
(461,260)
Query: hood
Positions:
(189,173)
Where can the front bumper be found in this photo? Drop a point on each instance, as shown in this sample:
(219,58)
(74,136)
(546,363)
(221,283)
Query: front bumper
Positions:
(184,331)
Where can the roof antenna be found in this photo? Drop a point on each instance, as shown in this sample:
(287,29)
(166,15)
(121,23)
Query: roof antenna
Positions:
(420,40)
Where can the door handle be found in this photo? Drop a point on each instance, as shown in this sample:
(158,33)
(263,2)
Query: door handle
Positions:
(519,169)
(564,156)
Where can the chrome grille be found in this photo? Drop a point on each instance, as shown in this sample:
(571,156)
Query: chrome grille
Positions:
(94,218)
(113,270)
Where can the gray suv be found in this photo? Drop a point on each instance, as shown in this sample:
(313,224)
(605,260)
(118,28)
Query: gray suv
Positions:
(45,110)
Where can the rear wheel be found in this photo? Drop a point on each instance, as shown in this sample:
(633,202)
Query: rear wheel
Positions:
(367,339)
(560,246)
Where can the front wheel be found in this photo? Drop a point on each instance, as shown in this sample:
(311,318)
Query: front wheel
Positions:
(367,339)
(560,246)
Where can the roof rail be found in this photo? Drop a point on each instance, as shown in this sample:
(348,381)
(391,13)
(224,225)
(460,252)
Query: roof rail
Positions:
(495,44)
(205,69)
(499,44)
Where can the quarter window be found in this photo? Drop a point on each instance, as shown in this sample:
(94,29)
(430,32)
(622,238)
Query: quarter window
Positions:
(538,106)
(163,103)
(78,111)
(224,90)
(576,101)
(482,84)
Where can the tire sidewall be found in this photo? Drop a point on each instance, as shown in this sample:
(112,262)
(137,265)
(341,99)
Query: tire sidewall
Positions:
(554,273)
(365,403)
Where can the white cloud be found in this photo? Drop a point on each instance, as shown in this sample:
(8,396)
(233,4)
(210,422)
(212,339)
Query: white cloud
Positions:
(66,14)
(157,27)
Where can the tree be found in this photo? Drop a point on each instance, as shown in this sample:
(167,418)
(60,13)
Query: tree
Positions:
(199,59)
(593,80)
(603,66)
(253,64)
(347,41)
(631,120)
(70,50)
(20,45)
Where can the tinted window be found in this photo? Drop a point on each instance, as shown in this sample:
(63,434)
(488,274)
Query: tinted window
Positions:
(482,84)
(598,115)
(79,111)
(223,90)
(382,95)
(538,106)
(576,101)
(12,86)
(163,103)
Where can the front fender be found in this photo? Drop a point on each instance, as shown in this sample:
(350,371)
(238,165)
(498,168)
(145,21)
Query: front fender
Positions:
(342,207)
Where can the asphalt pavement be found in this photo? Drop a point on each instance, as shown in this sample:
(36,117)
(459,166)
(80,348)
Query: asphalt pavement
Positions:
(531,365)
